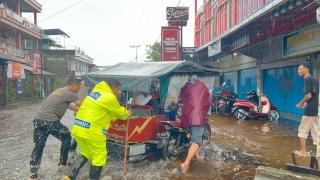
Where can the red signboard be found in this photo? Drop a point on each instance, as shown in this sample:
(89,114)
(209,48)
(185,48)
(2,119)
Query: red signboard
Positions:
(36,63)
(170,43)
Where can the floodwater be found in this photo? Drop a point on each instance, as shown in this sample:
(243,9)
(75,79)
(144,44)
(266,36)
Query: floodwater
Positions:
(237,148)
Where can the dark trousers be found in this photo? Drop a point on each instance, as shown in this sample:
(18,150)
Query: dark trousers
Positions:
(73,145)
(42,129)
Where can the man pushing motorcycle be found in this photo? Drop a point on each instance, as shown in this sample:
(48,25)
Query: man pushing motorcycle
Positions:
(194,104)
(98,110)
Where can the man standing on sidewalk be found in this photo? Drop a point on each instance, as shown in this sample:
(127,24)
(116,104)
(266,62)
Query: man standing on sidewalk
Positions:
(48,122)
(98,110)
(194,104)
(309,121)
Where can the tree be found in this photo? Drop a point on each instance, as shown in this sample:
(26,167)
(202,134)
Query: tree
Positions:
(153,53)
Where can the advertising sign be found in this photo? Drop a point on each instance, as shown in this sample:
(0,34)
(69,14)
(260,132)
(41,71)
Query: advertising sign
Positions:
(19,86)
(214,49)
(15,71)
(301,42)
(188,49)
(170,43)
(177,23)
(36,63)
(177,13)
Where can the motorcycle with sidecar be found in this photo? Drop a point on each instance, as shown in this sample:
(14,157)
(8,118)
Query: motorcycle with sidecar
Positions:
(146,132)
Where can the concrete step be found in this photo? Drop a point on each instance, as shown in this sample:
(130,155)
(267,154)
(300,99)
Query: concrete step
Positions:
(268,173)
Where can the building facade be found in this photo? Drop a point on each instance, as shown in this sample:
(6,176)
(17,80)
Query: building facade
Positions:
(63,62)
(258,45)
(68,63)
(20,77)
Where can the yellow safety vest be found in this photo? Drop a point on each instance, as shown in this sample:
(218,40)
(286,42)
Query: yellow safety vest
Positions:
(98,110)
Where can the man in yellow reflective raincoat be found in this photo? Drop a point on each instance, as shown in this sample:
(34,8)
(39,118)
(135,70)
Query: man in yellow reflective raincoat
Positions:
(98,110)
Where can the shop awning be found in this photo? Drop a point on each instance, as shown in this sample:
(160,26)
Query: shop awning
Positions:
(135,76)
(12,58)
(28,68)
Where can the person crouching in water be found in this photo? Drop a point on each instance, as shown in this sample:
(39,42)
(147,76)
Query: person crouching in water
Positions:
(47,122)
(194,104)
(98,110)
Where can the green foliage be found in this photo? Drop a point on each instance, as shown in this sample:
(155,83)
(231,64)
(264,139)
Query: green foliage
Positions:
(154,52)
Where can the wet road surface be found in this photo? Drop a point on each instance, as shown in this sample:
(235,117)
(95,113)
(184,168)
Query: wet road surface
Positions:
(237,148)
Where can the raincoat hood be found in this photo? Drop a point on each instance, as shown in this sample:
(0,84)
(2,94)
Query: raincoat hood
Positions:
(101,87)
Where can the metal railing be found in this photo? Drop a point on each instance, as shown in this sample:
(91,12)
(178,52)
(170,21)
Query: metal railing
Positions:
(17,18)
(32,26)
(11,49)
(11,14)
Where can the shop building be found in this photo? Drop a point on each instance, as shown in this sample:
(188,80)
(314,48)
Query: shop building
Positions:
(20,60)
(258,45)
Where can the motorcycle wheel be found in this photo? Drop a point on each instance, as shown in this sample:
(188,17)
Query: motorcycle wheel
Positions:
(274,116)
(240,114)
(168,151)
(206,138)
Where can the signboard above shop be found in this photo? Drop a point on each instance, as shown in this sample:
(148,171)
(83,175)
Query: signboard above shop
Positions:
(177,23)
(177,13)
(177,16)
(301,42)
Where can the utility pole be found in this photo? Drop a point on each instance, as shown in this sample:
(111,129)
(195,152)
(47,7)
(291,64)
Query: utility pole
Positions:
(136,47)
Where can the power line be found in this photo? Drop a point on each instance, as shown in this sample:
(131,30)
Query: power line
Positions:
(44,2)
(192,1)
(61,11)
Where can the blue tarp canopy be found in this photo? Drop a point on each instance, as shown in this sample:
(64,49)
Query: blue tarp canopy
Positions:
(138,76)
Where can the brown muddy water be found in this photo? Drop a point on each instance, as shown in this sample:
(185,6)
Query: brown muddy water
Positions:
(237,148)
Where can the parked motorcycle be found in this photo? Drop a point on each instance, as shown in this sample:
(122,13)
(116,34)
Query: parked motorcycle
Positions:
(222,101)
(255,107)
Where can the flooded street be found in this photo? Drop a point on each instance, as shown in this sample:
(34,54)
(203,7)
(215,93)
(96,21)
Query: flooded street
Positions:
(237,148)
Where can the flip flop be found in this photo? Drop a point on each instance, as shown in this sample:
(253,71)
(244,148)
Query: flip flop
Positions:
(296,152)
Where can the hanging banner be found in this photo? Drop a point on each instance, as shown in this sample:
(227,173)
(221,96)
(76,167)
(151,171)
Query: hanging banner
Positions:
(36,63)
(301,42)
(15,71)
(170,43)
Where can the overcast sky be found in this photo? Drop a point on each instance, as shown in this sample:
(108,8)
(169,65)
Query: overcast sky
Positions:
(105,29)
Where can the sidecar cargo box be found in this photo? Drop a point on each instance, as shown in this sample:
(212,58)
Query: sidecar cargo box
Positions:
(141,129)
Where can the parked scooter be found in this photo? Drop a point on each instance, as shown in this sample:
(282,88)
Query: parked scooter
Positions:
(255,107)
(222,101)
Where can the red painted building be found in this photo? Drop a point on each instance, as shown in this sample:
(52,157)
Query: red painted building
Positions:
(258,45)
(19,50)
